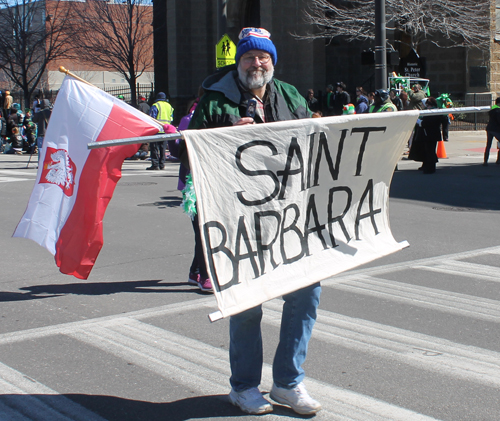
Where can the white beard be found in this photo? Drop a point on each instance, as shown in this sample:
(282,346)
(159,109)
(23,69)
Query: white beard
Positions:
(255,78)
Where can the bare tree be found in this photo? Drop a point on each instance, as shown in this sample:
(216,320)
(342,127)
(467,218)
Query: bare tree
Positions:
(117,35)
(464,22)
(34,33)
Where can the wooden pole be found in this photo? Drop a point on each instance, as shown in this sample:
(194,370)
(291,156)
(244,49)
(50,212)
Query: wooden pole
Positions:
(62,69)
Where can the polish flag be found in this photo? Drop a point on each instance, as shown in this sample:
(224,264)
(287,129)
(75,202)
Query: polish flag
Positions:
(74,184)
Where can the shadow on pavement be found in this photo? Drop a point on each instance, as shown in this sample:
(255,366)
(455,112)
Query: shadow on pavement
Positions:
(113,408)
(98,288)
(165,202)
(467,186)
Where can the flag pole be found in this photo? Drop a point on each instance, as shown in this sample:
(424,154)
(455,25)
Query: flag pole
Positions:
(133,140)
(62,69)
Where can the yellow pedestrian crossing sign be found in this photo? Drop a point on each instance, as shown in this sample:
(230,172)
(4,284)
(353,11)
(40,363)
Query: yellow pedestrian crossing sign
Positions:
(225,52)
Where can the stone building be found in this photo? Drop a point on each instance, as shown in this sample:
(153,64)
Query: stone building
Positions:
(186,32)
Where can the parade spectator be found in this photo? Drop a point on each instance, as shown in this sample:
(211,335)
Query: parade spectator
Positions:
(3,131)
(41,119)
(382,102)
(30,131)
(16,141)
(143,105)
(37,103)
(312,101)
(396,100)
(416,97)
(493,131)
(328,110)
(164,113)
(8,101)
(427,135)
(403,96)
(256,57)
(15,119)
(361,101)
(371,98)
(341,98)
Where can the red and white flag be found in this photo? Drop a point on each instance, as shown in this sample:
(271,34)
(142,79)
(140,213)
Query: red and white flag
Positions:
(74,184)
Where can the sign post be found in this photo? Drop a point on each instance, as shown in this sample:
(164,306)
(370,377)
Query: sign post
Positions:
(225,52)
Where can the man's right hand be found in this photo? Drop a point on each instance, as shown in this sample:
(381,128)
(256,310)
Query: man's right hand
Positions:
(245,120)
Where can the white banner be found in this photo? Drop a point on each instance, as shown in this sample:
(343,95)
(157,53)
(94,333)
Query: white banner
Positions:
(284,205)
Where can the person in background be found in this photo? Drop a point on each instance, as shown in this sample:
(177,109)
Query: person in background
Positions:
(403,96)
(36,104)
(492,131)
(164,113)
(329,101)
(16,141)
(312,102)
(13,120)
(8,101)
(361,101)
(341,98)
(427,135)
(143,105)
(382,102)
(416,97)
(371,98)
(224,104)
(41,119)
(396,100)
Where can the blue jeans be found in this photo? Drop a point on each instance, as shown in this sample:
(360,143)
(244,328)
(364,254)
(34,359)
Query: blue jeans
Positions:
(245,348)
(39,145)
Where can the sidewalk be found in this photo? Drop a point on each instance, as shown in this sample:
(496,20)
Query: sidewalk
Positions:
(462,146)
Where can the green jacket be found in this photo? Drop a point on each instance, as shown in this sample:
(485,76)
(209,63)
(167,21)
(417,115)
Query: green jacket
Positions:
(225,102)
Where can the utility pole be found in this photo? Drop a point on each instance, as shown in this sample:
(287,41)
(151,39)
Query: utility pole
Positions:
(380,46)
(221,18)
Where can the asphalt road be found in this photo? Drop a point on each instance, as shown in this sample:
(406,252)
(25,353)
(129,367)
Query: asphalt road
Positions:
(412,336)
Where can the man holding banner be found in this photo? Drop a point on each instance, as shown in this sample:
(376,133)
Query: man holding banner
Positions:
(226,104)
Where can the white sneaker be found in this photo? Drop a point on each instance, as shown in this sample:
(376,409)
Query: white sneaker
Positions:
(250,401)
(297,398)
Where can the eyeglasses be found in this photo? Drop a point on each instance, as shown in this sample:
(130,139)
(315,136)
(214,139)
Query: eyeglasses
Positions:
(263,59)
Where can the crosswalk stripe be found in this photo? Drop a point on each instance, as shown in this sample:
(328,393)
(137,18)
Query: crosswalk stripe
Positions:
(446,301)
(428,261)
(415,349)
(16,172)
(64,328)
(453,267)
(24,398)
(11,179)
(205,369)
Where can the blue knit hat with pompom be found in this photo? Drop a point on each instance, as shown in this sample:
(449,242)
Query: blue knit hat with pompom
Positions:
(255,39)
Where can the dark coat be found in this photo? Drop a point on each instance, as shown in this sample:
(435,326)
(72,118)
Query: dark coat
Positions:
(494,122)
(427,135)
(41,118)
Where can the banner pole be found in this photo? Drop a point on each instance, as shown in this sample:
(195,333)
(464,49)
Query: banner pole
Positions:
(162,136)
(133,140)
(458,110)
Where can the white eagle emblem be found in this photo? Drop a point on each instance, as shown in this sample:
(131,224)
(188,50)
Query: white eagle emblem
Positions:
(60,170)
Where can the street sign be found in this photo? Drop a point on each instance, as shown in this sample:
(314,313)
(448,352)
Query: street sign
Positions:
(225,52)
